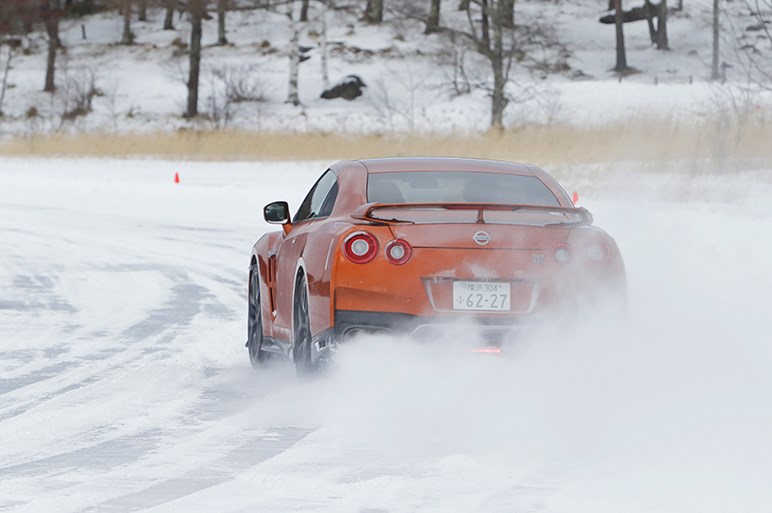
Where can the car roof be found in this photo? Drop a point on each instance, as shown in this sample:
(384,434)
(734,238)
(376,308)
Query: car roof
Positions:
(357,171)
(407,164)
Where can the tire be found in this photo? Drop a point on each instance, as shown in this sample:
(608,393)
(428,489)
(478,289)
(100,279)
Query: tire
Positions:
(301,326)
(257,356)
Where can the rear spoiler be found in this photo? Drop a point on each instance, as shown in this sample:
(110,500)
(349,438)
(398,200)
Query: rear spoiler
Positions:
(365,212)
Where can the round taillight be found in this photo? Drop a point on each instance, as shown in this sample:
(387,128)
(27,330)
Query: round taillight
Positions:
(398,252)
(598,252)
(561,253)
(360,247)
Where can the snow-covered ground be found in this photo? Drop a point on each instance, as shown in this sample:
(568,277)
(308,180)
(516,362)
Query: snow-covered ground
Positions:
(124,383)
(408,74)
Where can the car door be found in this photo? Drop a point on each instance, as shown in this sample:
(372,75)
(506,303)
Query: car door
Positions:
(314,209)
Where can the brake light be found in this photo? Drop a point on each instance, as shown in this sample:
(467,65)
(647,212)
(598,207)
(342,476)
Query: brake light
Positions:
(490,350)
(597,251)
(398,252)
(360,247)
(561,253)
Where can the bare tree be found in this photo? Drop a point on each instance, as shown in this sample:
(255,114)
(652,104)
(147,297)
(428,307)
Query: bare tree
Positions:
(51,12)
(304,10)
(508,13)
(496,49)
(433,20)
(222,9)
(12,46)
(128,35)
(662,42)
(486,31)
(500,63)
(754,55)
(293,96)
(716,30)
(19,16)
(142,10)
(621,66)
(196,11)
(649,11)
(169,16)
(16,20)
(7,18)
(77,94)
(497,44)
(324,48)
(374,11)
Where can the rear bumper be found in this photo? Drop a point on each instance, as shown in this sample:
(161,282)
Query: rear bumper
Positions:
(350,323)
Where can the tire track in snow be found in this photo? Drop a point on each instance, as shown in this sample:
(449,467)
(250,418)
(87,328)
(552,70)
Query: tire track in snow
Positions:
(177,312)
(243,457)
(104,455)
(145,343)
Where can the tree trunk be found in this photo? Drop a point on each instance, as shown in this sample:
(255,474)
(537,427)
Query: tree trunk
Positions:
(662,43)
(128,37)
(142,10)
(716,29)
(498,96)
(196,11)
(486,36)
(433,21)
(374,11)
(6,72)
(51,15)
(304,10)
(292,96)
(222,9)
(325,72)
(169,17)
(648,8)
(508,13)
(463,5)
(620,35)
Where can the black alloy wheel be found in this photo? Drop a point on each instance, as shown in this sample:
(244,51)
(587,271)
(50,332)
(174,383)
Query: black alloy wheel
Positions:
(257,356)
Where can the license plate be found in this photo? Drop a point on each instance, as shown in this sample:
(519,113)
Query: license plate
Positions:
(488,296)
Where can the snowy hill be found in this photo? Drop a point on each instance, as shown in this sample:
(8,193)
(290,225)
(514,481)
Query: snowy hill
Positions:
(409,76)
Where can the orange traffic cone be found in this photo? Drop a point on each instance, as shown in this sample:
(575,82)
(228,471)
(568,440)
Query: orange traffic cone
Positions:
(177,178)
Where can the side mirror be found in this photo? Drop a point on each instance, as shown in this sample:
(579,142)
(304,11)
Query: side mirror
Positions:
(276,212)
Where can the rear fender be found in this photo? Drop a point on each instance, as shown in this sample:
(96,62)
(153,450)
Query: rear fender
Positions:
(346,274)
(263,261)
(316,260)
(609,274)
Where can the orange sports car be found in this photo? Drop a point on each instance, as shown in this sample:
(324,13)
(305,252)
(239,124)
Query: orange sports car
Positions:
(414,245)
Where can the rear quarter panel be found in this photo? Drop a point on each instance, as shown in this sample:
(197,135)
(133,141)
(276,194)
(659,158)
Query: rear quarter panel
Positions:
(265,246)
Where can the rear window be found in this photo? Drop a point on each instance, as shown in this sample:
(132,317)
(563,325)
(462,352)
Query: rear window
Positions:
(458,187)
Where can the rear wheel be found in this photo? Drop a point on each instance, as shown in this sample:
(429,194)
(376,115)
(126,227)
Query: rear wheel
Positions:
(257,356)
(302,348)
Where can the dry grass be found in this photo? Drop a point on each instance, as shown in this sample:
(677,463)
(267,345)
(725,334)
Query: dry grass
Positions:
(641,140)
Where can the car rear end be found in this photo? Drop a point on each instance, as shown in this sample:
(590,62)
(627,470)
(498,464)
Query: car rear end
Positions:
(420,279)
(497,247)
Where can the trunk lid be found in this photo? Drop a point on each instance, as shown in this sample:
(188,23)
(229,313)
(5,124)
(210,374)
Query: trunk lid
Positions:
(481,236)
